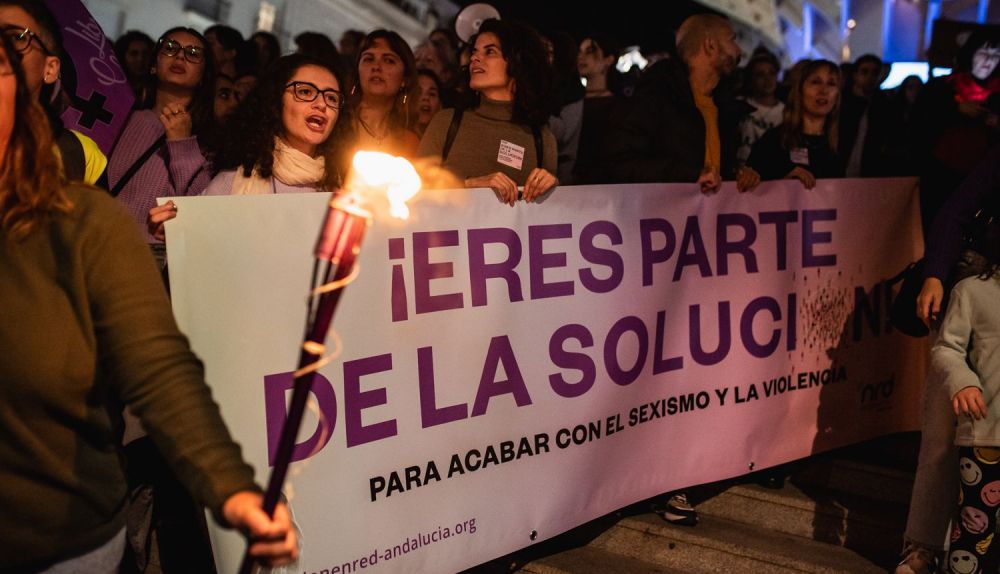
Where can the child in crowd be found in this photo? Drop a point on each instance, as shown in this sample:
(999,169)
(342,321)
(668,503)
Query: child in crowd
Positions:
(966,362)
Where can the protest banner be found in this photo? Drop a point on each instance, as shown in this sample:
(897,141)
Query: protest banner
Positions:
(100,97)
(509,373)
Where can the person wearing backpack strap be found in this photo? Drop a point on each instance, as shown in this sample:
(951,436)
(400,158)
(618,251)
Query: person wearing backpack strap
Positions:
(502,141)
(159,152)
(36,37)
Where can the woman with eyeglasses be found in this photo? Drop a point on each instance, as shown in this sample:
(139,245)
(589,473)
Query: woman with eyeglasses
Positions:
(284,136)
(377,112)
(158,153)
(86,324)
(35,36)
(285,128)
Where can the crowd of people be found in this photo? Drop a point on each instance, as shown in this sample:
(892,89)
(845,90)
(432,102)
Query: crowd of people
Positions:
(695,116)
(220,114)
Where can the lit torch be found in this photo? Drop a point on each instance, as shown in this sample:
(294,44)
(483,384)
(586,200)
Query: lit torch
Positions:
(336,252)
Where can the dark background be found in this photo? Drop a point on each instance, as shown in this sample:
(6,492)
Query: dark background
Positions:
(650,25)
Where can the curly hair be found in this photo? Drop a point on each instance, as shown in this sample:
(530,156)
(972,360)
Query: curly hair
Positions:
(258,121)
(527,64)
(31,178)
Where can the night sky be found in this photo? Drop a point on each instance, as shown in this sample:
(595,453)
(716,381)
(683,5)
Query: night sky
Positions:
(648,24)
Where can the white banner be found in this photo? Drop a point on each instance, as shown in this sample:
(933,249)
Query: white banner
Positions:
(509,373)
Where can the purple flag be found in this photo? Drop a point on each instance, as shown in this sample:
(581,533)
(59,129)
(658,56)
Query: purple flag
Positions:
(99,93)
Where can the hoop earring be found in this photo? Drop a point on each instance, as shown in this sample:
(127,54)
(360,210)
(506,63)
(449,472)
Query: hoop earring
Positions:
(354,89)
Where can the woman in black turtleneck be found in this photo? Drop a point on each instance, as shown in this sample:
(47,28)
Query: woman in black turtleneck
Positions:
(804,147)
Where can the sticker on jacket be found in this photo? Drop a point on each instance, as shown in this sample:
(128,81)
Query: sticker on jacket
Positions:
(800,156)
(510,154)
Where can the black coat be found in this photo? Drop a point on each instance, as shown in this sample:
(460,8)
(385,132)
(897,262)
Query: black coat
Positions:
(772,161)
(658,135)
(873,158)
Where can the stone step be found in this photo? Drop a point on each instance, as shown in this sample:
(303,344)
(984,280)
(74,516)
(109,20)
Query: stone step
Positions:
(720,545)
(842,511)
(864,479)
(871,527)
(589,560)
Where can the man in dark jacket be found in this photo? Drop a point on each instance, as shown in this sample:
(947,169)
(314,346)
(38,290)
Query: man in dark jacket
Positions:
(864,121)
(670,131)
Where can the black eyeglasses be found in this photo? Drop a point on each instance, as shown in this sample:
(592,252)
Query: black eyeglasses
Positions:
(21,39)
(306,92)
(170,48)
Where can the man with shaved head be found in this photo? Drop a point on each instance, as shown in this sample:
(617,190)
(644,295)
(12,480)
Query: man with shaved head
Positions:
(711,37)
(670,132)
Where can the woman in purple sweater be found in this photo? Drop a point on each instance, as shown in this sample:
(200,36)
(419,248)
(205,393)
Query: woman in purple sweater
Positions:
(285,139)
(177,110)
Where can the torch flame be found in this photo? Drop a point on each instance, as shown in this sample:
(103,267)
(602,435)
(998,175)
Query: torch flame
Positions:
(376,170)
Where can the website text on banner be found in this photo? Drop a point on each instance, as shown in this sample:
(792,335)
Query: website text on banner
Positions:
(508,374)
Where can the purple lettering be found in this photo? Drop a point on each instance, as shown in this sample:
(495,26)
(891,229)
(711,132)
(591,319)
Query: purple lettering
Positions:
(810,238)
(430,414)
(567,360)
(356,400)
(698,353)
(780,220)
(620,376)
(424,271)
(792,318)
(276,411)
(746,327)
(692,238)
(480,271)
(500,352)
(539,261)
(397,303)
(650,256)
(661,365)
(724,247)
(598,256)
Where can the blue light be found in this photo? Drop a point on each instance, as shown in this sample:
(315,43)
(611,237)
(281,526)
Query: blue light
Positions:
(901,70)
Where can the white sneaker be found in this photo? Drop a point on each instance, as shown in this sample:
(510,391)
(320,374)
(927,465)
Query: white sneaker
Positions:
(678,511)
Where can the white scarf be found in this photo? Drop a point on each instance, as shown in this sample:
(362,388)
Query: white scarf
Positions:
(291,167)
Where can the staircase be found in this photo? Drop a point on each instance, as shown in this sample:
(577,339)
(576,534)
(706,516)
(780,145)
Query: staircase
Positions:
(843,511)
